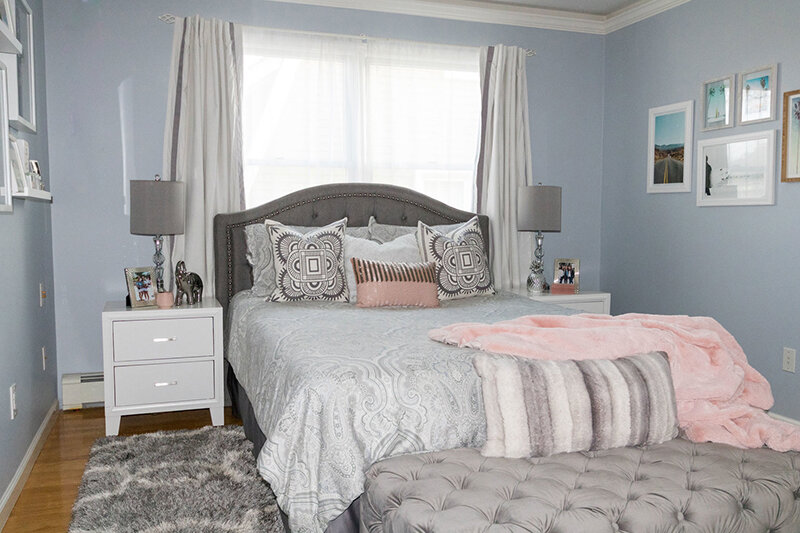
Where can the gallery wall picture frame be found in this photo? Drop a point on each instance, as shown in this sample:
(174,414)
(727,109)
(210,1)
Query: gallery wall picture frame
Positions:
(141,283)
(7,184)
(790,140)
(736,170)
(23,117)
(20,179)
(6,14)
(669,148)
(717,98)
(758,95)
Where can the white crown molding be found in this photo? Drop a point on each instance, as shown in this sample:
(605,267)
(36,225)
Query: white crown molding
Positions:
(512,15)
(638,12)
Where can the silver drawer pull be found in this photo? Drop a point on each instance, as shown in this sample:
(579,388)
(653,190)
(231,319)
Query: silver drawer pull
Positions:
(165,384)
(165,339)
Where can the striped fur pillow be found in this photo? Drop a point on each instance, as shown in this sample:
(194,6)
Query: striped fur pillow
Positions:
(538,408)
(380,284)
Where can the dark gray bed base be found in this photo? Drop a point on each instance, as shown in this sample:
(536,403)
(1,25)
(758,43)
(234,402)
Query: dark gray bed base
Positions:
(347,522)
(316,206)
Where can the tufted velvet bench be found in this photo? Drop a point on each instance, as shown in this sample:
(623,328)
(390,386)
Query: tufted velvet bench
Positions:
(677,486)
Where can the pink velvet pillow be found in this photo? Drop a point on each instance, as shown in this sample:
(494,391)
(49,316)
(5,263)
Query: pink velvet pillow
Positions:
(380,284)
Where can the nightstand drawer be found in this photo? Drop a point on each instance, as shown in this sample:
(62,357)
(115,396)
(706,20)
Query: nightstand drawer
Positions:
(587,307)
(139,340)
(173,382)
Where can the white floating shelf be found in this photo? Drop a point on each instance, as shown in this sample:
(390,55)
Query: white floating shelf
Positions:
(34,194)
(9,44)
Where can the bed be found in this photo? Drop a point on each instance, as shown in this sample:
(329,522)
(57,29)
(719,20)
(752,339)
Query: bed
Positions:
(327,389)
(339,400)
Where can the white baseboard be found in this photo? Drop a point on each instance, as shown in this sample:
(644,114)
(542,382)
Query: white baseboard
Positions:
(21,476)
(782,418)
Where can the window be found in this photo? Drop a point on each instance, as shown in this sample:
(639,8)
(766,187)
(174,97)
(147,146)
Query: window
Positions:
(327,109)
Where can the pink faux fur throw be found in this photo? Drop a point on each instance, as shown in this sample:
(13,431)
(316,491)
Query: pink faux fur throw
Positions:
(720,397)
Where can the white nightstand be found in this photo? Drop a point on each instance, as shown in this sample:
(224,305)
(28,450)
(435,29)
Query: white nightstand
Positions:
(586,301)
(158,360)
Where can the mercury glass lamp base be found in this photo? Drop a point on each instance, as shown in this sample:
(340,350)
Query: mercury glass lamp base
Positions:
(537,285)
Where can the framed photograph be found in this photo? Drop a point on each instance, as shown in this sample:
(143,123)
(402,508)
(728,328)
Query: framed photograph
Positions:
(758,95)
(141,286)
(23,116)
(790,147)
(737,170)
(6,15)
(566,274)
(717,98)
(669,148)
(21,183)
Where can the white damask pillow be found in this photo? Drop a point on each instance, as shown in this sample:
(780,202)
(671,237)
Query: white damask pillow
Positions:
(462,268)
(308,266)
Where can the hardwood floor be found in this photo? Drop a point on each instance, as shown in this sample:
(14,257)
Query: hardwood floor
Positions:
(45,503)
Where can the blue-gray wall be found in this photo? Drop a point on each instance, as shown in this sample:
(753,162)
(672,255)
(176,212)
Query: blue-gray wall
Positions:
(107,69)
(660,252)
(25,260)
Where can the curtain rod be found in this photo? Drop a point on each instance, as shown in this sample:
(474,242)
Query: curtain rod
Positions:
(168,18)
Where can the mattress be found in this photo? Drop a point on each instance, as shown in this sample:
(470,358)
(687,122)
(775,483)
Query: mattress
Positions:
(335,388)
(676,486)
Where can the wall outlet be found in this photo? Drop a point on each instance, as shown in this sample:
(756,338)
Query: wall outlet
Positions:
(44,359)
(12,393)
(789,356)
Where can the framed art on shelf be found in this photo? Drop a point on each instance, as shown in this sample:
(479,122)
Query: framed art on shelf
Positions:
(141,286)
(566,276)
(717,99)
(736,170)
(669,148)
(758,95)
(790,147)
(21,183)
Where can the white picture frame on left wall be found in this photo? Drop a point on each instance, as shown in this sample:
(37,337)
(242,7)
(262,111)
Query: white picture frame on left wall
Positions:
(669,148)
(7,189)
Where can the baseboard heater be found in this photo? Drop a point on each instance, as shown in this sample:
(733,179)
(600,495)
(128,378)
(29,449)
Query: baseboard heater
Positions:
(81,390)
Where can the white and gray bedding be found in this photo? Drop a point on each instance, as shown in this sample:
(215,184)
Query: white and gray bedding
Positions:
(336,388)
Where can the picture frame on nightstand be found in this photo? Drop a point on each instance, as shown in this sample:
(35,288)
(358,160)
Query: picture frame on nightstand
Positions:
(141,286)
(566,276)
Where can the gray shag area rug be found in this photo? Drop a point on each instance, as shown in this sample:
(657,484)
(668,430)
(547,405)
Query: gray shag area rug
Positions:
(202,480)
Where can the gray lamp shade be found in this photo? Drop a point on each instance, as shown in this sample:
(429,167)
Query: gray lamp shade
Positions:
(539,208)
(157,207)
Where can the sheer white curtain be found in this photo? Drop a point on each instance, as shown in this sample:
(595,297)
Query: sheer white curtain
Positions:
(505,158)
(202,137)
(326,109)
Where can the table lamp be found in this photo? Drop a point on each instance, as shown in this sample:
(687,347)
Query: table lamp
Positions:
(158,208)
(538,209)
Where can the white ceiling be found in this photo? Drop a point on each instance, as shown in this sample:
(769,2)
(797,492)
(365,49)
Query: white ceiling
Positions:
(592,7)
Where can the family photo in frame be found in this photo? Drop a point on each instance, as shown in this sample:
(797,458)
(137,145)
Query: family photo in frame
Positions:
(141,286)
(566,275)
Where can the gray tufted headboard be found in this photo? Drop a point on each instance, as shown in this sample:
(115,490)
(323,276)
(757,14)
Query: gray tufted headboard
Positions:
(318,206)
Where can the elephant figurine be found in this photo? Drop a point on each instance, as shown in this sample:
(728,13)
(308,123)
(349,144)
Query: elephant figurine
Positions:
(188,284)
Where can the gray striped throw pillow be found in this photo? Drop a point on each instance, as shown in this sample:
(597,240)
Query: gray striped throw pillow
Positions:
(538,408)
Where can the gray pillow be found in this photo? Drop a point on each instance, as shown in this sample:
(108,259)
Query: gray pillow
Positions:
(401,250)
(259,254)
(462,269)
(308,266)
(383,233)
(538,407)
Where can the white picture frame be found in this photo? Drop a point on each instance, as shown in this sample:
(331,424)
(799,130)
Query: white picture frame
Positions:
(758,95)
(669,148)
(717,98)
(7,189)
(22,114)
(740,170)
(21,185)
(7,15)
